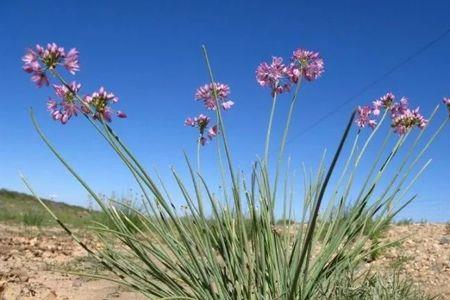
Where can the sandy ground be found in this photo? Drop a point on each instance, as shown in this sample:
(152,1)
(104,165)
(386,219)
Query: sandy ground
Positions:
(423,255)
(34,263)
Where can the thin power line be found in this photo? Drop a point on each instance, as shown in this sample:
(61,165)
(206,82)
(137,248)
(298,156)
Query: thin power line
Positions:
(372,84)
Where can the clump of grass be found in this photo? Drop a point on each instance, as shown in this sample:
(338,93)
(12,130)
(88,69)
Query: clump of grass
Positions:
(34,218)
(404,222)
(226,243)
(380,286)
(6,216)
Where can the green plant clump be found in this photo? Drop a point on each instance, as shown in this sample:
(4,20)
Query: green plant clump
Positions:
(226,242)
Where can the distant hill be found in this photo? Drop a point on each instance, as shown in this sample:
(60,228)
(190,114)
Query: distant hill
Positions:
(18,207)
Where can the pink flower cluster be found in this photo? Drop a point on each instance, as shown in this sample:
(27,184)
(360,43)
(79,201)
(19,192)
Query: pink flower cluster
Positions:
(100,101)
(202,122)
(279,77)
(67,107)
(308,63)
(364,117)
(403,118)
(38,60)
(97,105)
(209,93)
(213,95)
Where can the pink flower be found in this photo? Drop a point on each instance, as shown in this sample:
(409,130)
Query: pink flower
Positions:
(121,114)
(201,122)
(212,132)
(37,61)
(293,72)
(189,122)
(408,119)
(106,114)
(399,108)
(31,63)
(208,93)
(57,115)
(67,92)
(273,76)
(51,105)
(69,108)
(100,101)
(52,55)
(30,57)
(364,118)
(403,118)
(387,100)
(61,112)
(447,102)
(307,63)
(33,67)
(102,96)
(40,78)
(377,106)
(227,104)
(71,61)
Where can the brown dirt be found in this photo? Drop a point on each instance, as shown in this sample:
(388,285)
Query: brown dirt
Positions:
(34,263)
(423,256)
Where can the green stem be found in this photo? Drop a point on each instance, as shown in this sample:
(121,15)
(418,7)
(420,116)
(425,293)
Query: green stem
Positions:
(288,121)
(285,134)
(198,155)
(269,129)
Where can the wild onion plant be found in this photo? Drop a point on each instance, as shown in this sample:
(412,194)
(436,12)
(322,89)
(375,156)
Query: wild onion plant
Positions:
(230,244)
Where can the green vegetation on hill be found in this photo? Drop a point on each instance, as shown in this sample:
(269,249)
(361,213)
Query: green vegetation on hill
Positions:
(20,208)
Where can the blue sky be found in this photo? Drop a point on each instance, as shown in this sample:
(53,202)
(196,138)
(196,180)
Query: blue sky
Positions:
(148,53)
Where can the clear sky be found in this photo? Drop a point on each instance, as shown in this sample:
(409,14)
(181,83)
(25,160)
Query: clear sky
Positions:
(148,53)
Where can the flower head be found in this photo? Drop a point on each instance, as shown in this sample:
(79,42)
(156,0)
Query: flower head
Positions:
(67,92)
(40,78)
(273,76)
(387,100)
(209,92)
(377,106)
(201,122)
(212,132)
(37,61)
(364,117)
(399,108)
(403,118)
(71,61)
(408,119)
(62,111)
(100,101)
(307,63)
(52,55)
